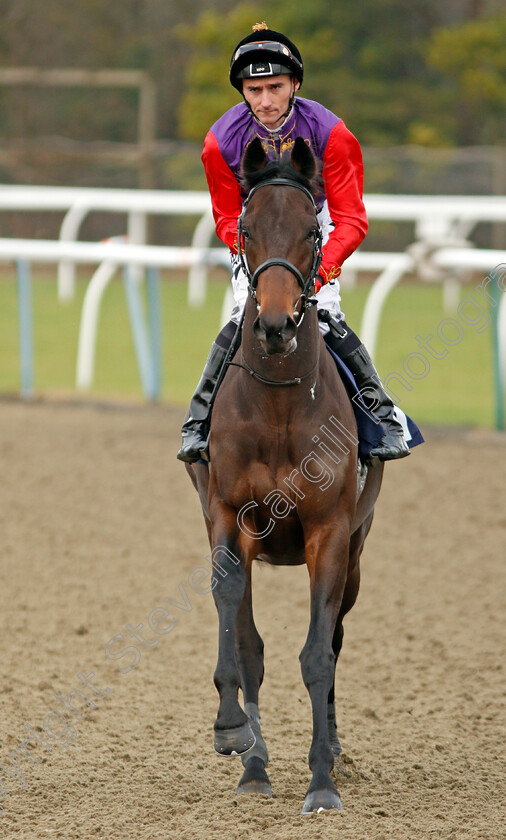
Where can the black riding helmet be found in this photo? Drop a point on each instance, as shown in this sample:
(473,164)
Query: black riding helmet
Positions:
(264,53)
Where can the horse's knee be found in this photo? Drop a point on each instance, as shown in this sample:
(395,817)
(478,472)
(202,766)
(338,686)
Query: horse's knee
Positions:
(317,666)
(230,585)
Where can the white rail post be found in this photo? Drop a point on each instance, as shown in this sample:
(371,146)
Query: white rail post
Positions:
(25,327)
(498,275)
(89,322)
(137,226)
(155,328)
(139,332)
(375,302)
(502,338)
(197,276)
(68,233)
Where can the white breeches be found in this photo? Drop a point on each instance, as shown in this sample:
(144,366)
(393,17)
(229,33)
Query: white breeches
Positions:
(328,297)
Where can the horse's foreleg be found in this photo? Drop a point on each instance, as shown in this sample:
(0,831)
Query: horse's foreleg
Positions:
(337,643)
(233,734)
(327,559)
(349,597)
(250,659)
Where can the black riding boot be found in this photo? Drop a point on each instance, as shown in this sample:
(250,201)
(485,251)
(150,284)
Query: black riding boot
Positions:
(349,348)
(195,430)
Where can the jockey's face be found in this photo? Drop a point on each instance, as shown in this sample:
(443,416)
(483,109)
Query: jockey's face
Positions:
(269,96)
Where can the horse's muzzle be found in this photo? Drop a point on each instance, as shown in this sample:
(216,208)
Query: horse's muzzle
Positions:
(277,335)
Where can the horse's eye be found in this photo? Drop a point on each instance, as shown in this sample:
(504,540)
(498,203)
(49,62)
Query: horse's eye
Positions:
(245,234)
(312,233)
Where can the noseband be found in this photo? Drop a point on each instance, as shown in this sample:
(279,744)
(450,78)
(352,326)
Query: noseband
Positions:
(305,285)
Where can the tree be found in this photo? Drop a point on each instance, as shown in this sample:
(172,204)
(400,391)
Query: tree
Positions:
(472,60)
(379,65)
(362,61)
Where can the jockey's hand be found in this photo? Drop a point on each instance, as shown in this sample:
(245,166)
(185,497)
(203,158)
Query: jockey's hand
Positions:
(324,277)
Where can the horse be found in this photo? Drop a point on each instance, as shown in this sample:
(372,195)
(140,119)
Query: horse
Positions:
(272,490)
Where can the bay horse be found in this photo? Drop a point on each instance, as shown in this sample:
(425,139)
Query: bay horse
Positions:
(272,491)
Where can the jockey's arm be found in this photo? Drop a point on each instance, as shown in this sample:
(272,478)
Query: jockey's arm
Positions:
(225,192)
(343,177)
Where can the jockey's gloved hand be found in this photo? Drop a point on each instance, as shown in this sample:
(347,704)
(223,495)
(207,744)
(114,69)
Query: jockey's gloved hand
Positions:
(324,277)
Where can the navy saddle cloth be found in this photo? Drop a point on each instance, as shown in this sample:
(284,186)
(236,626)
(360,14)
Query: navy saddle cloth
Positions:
(370,431)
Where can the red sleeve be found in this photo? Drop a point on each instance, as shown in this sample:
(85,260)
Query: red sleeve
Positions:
(343,177)
(225,192)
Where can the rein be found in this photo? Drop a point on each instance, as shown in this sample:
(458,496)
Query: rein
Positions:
(282,382)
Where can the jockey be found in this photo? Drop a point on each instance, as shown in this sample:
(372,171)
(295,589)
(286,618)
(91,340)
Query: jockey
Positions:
(267,69)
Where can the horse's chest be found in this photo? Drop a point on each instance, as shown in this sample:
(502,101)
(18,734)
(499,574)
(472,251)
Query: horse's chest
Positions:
(258,483)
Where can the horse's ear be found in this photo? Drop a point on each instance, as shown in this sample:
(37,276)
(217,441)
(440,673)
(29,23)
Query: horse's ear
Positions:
(302,159)
(254,158)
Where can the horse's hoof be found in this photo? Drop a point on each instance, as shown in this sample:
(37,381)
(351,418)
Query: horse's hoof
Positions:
(322,800)
(255,786)
(234,741)
(255,779)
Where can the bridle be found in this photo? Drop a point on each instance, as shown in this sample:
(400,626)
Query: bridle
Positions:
(305,299)
(305,284)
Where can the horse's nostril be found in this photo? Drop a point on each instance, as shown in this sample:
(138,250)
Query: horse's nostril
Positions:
(258,328)
(290,328)
(278,331)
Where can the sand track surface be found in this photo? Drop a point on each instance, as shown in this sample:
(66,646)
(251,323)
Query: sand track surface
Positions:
(99,524)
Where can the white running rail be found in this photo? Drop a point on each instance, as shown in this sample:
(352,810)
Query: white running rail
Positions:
(433,216)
